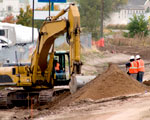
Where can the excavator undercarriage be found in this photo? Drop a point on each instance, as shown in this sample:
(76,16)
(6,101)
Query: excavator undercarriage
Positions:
(11,97)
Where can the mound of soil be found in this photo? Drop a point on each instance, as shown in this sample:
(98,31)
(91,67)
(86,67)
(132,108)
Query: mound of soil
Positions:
(113,82)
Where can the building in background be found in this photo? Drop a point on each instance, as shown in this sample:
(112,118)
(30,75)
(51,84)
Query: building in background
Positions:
(8,7)
(127,11)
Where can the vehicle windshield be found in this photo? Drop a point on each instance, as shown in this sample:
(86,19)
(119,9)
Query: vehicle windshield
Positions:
(2,32)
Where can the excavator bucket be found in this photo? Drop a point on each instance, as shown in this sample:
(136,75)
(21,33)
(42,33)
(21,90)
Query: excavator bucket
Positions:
(78,81)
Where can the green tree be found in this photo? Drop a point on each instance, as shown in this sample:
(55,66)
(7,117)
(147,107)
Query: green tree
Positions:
(25,18)
(138,26)
(90,14)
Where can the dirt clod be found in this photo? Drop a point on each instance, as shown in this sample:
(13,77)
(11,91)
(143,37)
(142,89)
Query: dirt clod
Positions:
(147,82)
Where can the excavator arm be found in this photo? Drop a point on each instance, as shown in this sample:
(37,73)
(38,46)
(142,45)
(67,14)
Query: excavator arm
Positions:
(45,44)
(49,31)
(74,35)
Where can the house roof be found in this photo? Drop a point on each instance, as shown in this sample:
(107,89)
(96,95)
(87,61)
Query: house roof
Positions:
(136,2)
(132,7)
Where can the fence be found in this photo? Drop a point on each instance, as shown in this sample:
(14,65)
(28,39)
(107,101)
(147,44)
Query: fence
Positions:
(85,39)
(23,52)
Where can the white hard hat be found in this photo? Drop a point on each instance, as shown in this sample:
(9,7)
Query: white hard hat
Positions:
(138,56)
(132,57)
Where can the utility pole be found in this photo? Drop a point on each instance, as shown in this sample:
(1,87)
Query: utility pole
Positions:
(49,8)
(33,21)
(102,18)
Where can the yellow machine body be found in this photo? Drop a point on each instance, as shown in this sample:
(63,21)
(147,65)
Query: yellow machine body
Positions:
(39,74)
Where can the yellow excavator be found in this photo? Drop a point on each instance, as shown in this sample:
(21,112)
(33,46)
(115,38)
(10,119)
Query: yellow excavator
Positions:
(39,77)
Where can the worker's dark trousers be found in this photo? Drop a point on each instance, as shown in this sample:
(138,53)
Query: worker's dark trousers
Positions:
(140,76)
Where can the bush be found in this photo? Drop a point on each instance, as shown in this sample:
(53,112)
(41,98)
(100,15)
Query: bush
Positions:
(125,34)
(138,26)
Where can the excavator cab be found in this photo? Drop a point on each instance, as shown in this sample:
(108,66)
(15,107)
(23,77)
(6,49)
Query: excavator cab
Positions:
(61,75)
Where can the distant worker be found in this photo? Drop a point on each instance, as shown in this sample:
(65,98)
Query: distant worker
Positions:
(57,67)
(132,67)
(140,67)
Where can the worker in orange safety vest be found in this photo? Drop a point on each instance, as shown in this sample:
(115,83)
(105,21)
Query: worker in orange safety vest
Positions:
(132,67)
(141,68)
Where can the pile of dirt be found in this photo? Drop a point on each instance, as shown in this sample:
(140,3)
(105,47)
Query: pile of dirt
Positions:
(113,82)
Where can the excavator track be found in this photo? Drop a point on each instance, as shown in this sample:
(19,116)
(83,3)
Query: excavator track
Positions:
(11,98)
(45,96)
(4,99)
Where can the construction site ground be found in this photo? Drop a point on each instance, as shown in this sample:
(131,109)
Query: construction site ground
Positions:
(129,102)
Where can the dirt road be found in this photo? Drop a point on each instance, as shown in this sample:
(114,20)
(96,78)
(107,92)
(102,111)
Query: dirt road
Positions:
(134,108)
(6,115)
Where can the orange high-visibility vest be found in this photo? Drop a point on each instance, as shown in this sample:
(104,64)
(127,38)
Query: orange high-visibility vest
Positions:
(140,65)
(133,67)
(57,66)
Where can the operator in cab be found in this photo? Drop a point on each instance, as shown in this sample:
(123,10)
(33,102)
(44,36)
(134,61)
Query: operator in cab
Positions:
(57,66)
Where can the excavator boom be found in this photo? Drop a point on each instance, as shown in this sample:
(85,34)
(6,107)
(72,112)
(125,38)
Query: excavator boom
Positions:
(49,31)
